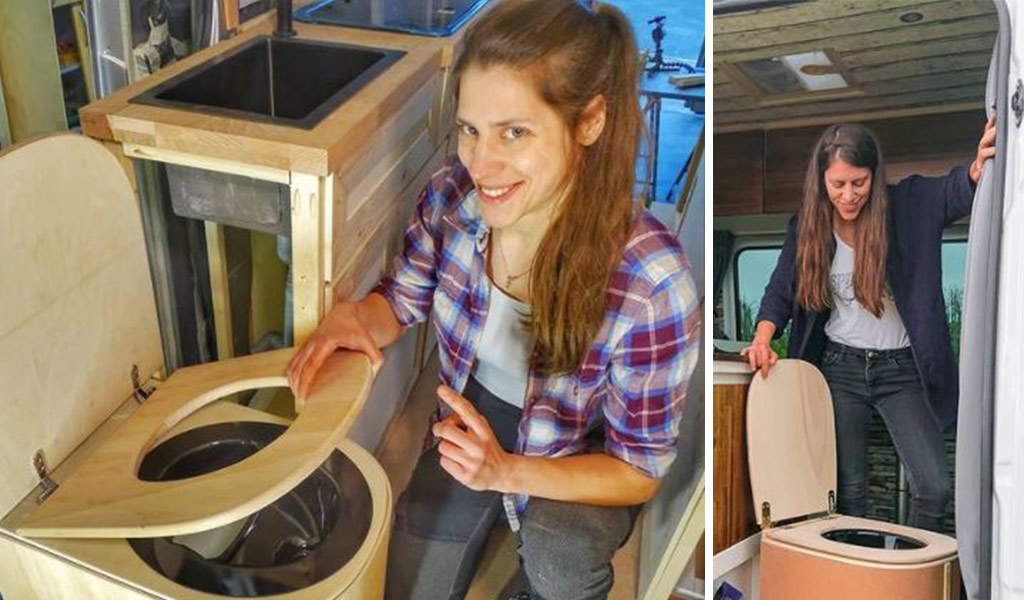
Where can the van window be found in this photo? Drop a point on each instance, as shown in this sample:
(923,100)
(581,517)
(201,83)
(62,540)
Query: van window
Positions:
(753,268)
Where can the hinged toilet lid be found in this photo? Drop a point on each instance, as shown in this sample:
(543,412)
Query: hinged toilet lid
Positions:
(791,442)
(76,301)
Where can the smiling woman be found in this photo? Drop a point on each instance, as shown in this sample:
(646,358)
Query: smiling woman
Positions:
(858,276)
(566,315)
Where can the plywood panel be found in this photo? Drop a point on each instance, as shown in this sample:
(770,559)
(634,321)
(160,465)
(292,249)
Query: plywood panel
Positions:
(76,290)
(31,575)
(739,174)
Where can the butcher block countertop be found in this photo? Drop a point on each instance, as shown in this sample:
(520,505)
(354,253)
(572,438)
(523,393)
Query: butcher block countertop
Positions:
(328,148)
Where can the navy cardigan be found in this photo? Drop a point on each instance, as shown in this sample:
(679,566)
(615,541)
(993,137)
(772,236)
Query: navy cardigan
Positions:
(919,209)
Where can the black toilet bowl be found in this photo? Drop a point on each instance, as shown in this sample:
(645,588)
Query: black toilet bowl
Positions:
(300,539)
(869,538)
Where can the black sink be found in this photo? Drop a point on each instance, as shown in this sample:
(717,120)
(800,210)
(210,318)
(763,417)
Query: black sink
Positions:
(288,81)
(420,17)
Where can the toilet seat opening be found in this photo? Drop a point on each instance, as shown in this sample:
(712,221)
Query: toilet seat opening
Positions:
(868,538)
(300,539)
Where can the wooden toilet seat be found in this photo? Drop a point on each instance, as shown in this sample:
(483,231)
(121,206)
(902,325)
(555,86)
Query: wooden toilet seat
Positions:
(105,498)
(809,536)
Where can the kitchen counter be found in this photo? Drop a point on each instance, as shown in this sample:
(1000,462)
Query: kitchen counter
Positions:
(326,149)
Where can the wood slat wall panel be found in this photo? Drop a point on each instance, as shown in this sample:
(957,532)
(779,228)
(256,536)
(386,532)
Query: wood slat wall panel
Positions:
(952,140)
(922,83)
(977,42)
(858,106)
(921,66)
(920,32)
(739,173)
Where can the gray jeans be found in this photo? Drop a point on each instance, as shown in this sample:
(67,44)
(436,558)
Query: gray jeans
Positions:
(441,527)
(886,381)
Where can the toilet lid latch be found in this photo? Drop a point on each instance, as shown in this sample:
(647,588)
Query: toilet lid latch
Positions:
(48,484)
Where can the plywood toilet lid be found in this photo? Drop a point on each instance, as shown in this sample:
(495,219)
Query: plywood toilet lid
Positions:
(791,442)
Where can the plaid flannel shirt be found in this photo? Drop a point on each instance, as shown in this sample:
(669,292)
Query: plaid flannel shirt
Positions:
(633,379)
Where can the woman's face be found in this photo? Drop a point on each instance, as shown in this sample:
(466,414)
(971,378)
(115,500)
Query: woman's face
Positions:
(848,187)
(515,146)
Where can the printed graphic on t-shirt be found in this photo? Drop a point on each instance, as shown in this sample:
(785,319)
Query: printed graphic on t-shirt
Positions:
(843,290)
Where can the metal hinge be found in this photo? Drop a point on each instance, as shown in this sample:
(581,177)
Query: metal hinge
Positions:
(766,515)
(138,391)
(831,503)
(49,485)
(1017,102)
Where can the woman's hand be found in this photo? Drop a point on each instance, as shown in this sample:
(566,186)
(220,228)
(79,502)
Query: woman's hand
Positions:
(986,149)
(469,450)
(759,353)
(760,356)
(341,328)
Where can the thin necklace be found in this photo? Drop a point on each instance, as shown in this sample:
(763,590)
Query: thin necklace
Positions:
(509,277)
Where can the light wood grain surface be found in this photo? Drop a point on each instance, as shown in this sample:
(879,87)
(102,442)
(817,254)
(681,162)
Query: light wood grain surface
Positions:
(791,441)
(103,569)
(104,497)
(76,307)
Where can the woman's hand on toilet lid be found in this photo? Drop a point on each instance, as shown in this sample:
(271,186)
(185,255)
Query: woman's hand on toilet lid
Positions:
(341,328)
(760,356)
(470,452)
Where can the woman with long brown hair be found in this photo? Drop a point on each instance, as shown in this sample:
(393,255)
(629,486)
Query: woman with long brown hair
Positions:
(860,278)
(566,316)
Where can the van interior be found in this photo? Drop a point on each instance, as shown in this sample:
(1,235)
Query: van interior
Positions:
(914,72)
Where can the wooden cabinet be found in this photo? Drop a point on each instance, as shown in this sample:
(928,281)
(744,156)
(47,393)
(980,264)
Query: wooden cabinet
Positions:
(733,506)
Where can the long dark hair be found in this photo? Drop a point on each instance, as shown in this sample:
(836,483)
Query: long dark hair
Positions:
(572,52)
(857,146)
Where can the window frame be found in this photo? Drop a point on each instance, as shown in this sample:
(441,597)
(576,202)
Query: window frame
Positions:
(730,284)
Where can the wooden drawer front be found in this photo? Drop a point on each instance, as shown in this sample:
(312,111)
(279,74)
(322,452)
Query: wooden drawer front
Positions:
(369,252)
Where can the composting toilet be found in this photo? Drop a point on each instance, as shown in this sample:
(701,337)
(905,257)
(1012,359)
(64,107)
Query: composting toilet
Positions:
(807,550)
(113,489)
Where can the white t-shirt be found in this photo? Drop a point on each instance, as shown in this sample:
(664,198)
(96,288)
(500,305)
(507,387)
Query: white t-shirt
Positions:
(506,343)
(850,323)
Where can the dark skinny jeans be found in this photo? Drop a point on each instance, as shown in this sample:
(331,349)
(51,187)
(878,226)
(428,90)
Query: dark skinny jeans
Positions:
(886,381)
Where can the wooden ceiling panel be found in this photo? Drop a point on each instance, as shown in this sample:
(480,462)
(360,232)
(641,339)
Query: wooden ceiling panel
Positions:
(862,108)
(937,64)
(801,13)
(978,42)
